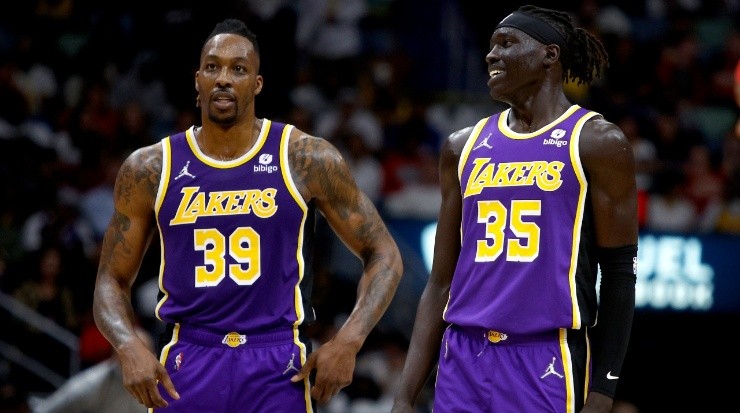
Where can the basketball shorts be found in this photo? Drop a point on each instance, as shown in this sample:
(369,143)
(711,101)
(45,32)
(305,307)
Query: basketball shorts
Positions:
(234,373)
(486,371)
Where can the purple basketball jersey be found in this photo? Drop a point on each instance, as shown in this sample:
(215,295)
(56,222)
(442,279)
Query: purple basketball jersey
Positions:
(232,236)
(524,201)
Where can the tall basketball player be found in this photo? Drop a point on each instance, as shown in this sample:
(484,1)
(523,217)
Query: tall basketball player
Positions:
(234,202)
(534,199)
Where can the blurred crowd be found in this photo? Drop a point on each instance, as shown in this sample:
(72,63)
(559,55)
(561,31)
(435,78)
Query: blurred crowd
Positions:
(84,83)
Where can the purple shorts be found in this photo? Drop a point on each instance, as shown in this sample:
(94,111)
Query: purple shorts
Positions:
(235,373)
(484,371)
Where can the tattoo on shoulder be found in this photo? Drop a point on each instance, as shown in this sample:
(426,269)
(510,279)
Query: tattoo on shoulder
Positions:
(317,165)
(142,169)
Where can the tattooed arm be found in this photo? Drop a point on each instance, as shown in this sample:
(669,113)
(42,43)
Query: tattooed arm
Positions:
(322,175)
(126,240)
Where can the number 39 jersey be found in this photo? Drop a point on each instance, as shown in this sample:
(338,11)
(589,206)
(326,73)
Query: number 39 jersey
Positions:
(526,263)
(233,236)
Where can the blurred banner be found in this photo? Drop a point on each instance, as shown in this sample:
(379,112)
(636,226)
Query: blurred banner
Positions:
(697,273)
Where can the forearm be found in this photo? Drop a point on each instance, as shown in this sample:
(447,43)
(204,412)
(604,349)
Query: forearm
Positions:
(114,315)
(616,309)
(375,292)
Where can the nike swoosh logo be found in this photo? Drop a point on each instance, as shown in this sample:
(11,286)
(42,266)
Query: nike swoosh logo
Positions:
(610,377)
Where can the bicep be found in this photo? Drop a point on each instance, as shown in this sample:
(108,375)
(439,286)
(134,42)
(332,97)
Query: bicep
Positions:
(132,225)
(447,238)
(610,166)
(350,213)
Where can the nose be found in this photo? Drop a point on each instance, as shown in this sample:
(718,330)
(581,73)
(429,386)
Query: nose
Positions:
(492,56)
(223,78)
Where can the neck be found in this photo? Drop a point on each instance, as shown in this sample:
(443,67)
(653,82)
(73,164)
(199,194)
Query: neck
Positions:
(226,143)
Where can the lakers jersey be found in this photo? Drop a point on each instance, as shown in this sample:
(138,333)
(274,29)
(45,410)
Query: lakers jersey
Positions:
(233,236)
(526,264)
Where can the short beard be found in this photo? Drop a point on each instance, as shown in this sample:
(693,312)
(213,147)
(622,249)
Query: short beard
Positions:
(223,121)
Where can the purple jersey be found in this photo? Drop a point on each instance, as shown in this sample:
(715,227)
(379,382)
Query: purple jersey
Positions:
(526,229)
(232,236)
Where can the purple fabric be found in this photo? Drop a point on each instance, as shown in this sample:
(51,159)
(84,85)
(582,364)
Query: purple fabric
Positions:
(523,203)
(511,376)
(238,226)
(219,378)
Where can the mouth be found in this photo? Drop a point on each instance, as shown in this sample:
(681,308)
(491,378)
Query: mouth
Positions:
(223,100)
(495,72)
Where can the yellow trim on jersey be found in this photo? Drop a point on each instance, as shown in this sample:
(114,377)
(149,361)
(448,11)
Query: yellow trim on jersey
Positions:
(467,148)
(464,154)
(298,303)
(190,134)
(164,181)
(503,125)
(166,349)
(575,159)
(567,371)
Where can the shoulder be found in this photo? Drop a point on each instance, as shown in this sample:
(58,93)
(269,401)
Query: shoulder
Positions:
(604,145)
(456,140)
(314,163)
(142,168)
(308,147)
(601,138)
(146,157)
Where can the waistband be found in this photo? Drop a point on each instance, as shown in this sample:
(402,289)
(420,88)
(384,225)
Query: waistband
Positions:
(504,339)
(230,339)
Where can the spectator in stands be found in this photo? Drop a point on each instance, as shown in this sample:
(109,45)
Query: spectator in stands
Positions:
(669,210)
(329,38)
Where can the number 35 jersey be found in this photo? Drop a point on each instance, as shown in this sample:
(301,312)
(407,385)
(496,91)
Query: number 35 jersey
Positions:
(525,264)
(233,236)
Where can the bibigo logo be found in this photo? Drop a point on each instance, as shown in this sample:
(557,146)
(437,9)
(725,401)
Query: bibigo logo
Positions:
(554,138)
(265,160)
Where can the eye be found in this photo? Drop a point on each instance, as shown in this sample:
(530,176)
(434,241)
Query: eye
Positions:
(240,69)
(210,66)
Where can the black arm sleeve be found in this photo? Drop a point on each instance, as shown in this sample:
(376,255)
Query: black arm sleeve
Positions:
(611,334)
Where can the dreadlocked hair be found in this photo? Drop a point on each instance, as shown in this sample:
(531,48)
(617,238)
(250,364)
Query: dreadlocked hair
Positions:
(588,58)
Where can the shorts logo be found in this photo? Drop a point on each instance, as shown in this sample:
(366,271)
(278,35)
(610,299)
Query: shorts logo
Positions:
(495,336)
(551,370)
(291,365)
(178,361)
(234,339)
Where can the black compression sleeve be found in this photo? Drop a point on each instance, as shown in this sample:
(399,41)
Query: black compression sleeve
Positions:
(611,334)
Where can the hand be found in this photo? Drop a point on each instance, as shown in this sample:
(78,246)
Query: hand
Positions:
(597,403)
(141,373)
(334,362)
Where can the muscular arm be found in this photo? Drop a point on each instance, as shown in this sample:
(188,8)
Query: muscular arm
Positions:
(124,244)
(609,163)
(429,325)
(322,175)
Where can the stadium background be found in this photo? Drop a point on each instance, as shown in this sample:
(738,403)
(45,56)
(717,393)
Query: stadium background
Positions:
(82,83)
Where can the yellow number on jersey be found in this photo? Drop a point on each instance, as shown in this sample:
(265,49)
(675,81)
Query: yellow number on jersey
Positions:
(524,248)
(243,247)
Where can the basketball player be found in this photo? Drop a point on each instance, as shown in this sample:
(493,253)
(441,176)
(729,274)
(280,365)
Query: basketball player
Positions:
(234,203)
(509,314)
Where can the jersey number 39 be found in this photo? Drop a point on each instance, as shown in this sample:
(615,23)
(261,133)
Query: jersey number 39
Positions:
(243,245)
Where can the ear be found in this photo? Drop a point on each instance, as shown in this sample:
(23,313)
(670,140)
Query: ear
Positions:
(196,81)
(258,84)
(552,54)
